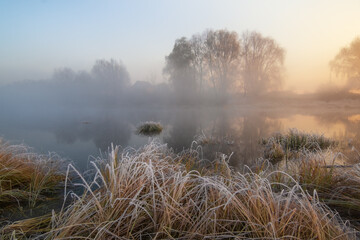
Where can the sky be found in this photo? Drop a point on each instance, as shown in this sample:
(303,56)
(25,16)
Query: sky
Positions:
(40,36)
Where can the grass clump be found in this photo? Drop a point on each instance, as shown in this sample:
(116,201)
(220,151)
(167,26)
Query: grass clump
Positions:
(337,187)
(27,178)
(150,128)
(151,194)
(290,144)
(30,228)
(274,152)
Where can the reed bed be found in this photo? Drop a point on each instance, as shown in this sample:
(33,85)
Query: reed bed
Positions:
(150,128)
(27,178)
(289,145)
(151,194)
(29,228)
(335,186)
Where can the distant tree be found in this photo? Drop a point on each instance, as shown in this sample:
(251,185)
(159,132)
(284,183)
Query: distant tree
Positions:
(222,55)
(347,62)
(111,73)
(64,74)
(261,63)
(199,50)
(220,61)
(179,68)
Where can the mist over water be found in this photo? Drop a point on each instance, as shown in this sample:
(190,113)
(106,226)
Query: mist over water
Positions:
(180,119)
(220,86)
(79,132)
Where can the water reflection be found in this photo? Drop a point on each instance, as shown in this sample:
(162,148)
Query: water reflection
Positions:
(184,126)
(102,132)
(239,135)
(342,125)
(78,134)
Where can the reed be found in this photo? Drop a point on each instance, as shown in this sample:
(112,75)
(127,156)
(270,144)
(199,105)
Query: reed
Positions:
(289,145)
(338,188)
(150,128)
(151,194)
(29,228)
(27,178)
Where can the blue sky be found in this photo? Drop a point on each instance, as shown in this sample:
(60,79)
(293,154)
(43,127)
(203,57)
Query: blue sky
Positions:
(40,36)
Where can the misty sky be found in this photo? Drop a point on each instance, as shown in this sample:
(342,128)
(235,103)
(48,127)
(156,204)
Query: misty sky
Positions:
(40,36)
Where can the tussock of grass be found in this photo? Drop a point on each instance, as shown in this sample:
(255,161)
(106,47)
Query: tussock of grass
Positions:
(152,194)
(27,228)
(288,145)
(27,178)
(338,188)
(150,128)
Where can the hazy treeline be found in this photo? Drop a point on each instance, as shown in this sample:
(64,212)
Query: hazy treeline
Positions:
(207,68)
(346,64)
(107,83)
(220,63)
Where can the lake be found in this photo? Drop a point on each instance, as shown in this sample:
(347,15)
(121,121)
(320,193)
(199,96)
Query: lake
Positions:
(76,134)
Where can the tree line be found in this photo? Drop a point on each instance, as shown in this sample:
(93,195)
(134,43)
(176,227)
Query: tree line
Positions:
(346,65)
(220,63)
(211,67)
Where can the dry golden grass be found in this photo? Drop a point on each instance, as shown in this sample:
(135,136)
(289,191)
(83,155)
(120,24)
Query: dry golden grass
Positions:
(150,128)
(26,229)
(337,187)
(27,178)
(152,194)
(290,145)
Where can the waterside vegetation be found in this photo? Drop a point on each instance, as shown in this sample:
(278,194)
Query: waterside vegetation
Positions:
(27,178)
(154,193)
(150,128)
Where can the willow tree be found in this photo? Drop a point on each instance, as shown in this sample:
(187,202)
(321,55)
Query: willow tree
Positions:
(222,55)
(112,74)
(347,63)
(199,51)
(221,62)
(261,63)
(179,68)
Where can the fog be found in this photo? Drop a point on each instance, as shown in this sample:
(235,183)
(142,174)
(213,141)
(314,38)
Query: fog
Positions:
(106,84)
(218,84)
(212,67)
(92,91)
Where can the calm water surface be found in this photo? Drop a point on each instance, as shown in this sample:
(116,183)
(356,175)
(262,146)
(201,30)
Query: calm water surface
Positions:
(76,134)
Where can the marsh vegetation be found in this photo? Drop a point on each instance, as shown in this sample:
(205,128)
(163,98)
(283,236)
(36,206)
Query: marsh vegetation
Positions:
(260,128)
(154,192)
(237,180)
(291,144)
(150,128)
(27,178)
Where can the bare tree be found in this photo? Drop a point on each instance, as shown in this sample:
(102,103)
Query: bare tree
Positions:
(223,49)
(198,48)
(347,63)
(261,63)
(217,60)
(179,68)
(64,74)
(111,72)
